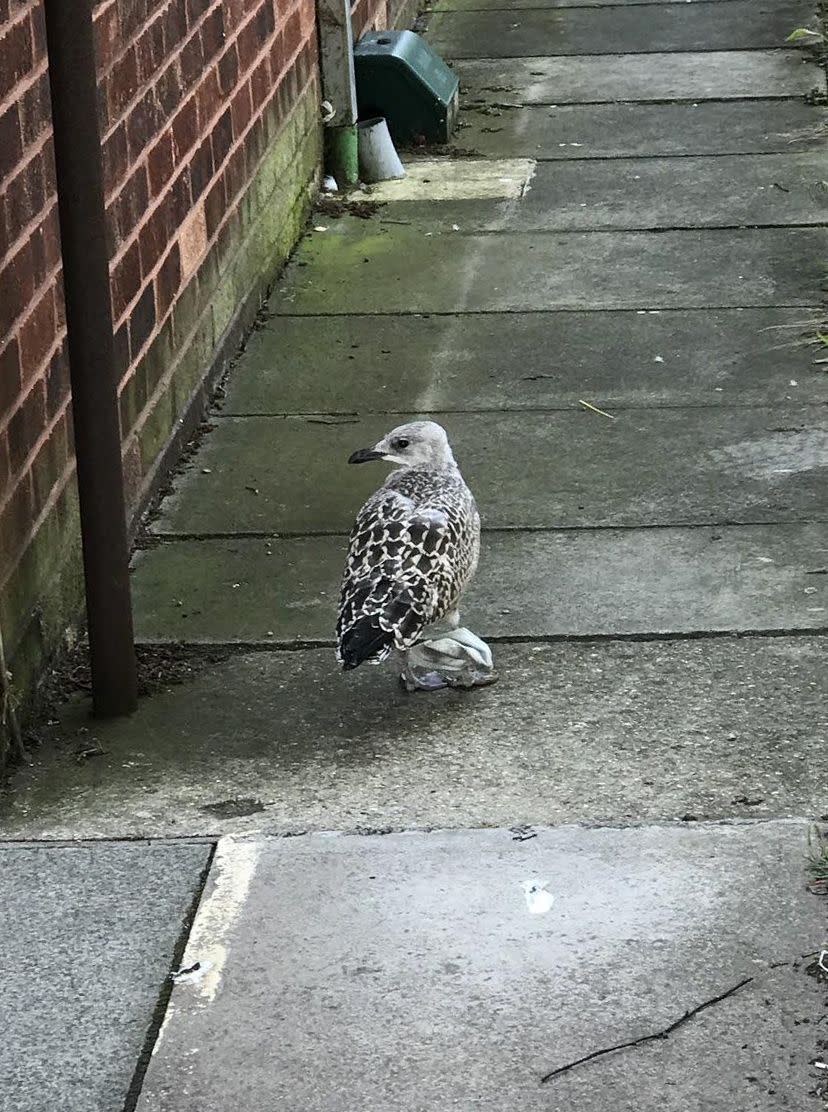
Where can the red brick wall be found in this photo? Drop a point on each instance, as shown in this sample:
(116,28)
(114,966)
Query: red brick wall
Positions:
(185,87)
(192,96)
(34,423)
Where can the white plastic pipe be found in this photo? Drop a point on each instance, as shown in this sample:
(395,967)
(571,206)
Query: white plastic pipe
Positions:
(378,158)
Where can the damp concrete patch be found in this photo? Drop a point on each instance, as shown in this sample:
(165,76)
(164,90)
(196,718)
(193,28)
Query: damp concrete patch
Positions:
(576,132)
(735,25)
(580,583)
(272,475)
(593,78)
(444,179)
(408,363)
(89,938)
(717,728)
(639,193)
(520,271)
(410,971)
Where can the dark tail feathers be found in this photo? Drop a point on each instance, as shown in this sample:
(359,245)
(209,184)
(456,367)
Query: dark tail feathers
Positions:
(362,641)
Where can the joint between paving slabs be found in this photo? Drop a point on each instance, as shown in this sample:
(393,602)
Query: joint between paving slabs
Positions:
(156,1022)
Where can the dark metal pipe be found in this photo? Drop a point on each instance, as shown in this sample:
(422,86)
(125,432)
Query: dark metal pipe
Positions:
(72,75)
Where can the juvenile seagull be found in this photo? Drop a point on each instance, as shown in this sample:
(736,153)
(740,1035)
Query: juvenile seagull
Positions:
(413,549)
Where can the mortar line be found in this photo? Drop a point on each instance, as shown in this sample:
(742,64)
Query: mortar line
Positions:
(745,98)
(547,159)
(240,648)
(296,534)
(522,411)
(504,59)
(644,306)
(505,9)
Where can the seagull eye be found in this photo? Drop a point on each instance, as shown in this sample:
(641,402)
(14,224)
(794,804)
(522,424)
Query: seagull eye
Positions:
(399,444)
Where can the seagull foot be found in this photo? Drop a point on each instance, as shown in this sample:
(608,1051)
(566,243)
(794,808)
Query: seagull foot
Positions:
(454,659)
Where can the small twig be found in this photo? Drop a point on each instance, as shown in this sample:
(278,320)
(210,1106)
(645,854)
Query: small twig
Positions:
(595,409)
(663,1034)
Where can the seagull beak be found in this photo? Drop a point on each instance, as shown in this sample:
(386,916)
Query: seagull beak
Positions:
(365,455)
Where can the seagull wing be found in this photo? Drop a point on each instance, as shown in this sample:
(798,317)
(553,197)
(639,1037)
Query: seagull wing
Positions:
(399,556)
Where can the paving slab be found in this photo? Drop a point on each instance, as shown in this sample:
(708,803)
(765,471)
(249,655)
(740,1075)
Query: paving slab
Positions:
(579,583)
(407,972)
(549,470)
(583,131)
(639,193)
(89,935)
(449,362)
(577,732)
(504,6)
(595,78)
(522,271)
(736,25)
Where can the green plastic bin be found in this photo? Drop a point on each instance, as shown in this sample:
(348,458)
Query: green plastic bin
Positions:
(400,77)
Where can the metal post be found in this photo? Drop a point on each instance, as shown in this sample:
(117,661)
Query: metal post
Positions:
(72,76)
(336,55)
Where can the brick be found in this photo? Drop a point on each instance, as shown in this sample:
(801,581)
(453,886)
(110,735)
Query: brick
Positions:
(49,466)
(260,84)
(57,382)
(36,109)
(10,378)
(16,521)
(212,35)
(37,334)
(125,281)
(115,158)
(169,89)
(152,240)
(192,61)
(142,320)
(145,119)
(120,346)
(127,209)
(174,26)
(11,145)
(46,244)
(38,33)
(264,21)
(18,280)
(181,196)
(160,163)
(106,36)
(201,169)
(15,54)
(184,129)
(292,34)
(167,282)
(221,138)
(121,85)
(24,196)
(228,70)
(241,108)
(196,9)
(215,206)
(150,51)
(208,99)
(26,426)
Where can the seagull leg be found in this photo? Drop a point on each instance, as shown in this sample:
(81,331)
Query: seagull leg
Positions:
(457,658)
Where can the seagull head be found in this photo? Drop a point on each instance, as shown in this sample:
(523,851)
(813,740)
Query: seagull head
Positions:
(417,444)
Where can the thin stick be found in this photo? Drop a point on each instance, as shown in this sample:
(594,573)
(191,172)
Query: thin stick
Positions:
(595,409)
(647,1038)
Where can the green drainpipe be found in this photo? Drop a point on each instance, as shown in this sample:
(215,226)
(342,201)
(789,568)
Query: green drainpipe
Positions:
(341,155)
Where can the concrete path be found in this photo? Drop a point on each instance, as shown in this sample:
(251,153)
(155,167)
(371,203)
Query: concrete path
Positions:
(654,581)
